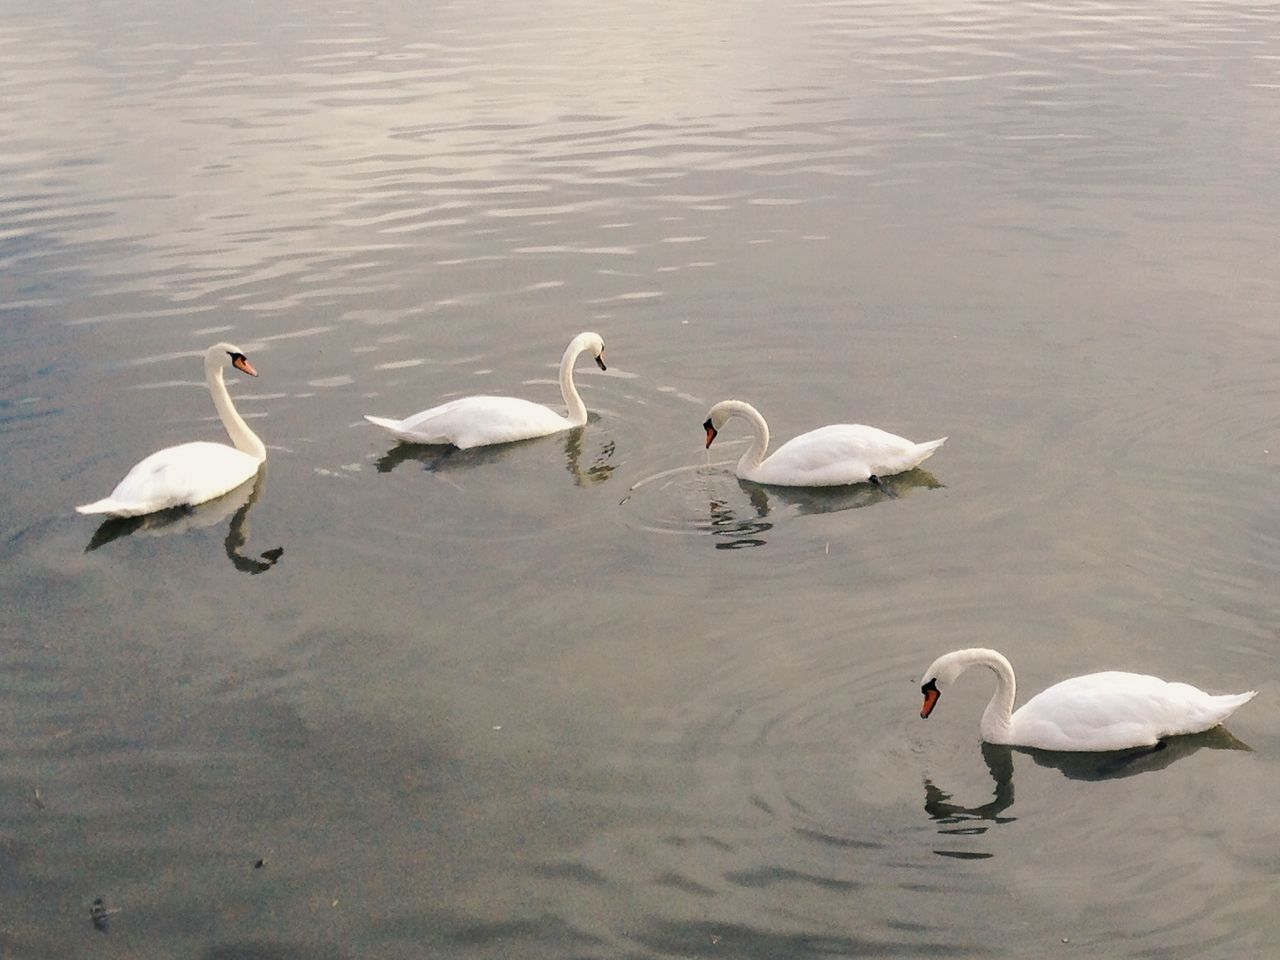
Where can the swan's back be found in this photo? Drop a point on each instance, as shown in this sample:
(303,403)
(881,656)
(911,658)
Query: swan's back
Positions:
(183,475)
(842,453)
(476,422)
(1116,711)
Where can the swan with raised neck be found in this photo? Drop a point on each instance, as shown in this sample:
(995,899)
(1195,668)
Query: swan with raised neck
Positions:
(480,421)
(192,473)
(243,438)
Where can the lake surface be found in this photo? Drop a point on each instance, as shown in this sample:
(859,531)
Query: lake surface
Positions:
(589,695)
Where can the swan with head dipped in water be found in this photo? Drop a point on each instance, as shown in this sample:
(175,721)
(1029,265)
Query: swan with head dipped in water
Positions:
(480,421)
(192,473)
(832,456)
(1098,711)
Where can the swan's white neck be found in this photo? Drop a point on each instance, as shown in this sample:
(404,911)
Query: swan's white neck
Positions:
(997,717)
(577,410)
(759,430)
(244,439)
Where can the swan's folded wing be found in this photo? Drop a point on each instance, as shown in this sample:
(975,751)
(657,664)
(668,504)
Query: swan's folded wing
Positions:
(839,454)
(1116,711)
(479,421)
(189,473)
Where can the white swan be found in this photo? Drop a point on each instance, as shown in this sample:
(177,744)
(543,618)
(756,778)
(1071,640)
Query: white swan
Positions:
(833,456)
(1099,711)
(192,473)
(480,421)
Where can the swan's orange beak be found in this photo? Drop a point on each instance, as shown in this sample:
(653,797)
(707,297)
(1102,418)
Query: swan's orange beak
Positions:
(711,431)
(243,365)
(600,362)
(931,696)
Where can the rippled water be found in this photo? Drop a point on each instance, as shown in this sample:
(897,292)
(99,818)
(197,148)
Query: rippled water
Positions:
(591,696)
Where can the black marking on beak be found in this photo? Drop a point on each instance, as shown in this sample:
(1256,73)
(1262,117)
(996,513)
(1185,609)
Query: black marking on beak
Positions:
(241,363)
(931,695)
(600,362)
(712,432)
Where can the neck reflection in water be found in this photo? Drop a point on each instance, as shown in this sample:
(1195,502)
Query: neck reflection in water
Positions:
(180,520)
(601,466)
(960,820)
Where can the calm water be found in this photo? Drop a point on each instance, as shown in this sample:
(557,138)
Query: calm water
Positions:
(590,696)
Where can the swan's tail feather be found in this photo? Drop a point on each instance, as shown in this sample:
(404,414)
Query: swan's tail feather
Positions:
(926,449)
(105,505)
(384,423)
(1229,703)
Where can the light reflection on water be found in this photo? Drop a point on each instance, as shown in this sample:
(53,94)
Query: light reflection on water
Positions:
(508,701)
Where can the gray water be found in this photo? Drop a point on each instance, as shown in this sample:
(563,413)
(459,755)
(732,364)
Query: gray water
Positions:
(590,696)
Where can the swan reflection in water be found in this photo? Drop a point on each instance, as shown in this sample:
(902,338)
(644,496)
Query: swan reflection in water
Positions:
(960,820)
(811,500)
(737,532)
(180,520)
(438,457)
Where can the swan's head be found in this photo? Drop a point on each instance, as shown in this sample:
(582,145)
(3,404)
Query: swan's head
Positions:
(591,343)
(213,358)
(941,672)
(947,667)
(716,417)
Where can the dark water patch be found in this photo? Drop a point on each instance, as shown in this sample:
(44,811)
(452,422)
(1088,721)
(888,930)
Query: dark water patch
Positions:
(268,950)
(831,840)
(577,872)
(546,932)
(684,884)
(769,876)
(710,939)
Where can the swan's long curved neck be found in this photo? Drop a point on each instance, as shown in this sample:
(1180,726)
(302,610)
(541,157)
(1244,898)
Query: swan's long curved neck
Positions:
(244,439)
(760,434)
(577,415)
(996,718)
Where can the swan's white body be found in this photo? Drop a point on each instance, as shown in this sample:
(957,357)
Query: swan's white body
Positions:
(833,456)
(192,473)
(1099,711)
(480,421)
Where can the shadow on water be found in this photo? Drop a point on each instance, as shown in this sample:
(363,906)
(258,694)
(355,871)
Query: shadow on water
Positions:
(812,500)
(601,468)
(1128,763)
(961,820)
(738,532)
(179,520)
(437,457)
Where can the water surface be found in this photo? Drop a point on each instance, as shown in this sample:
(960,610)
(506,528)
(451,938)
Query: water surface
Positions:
(591,696)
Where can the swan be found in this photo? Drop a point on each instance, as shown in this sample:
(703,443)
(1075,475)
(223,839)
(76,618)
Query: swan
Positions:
(192,473)
(1099,711)
(479,421)
(831,456)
